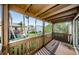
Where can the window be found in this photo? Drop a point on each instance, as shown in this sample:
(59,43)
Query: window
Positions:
(16,29)
(39,27)
(32,30)
(77,32)
(62,27)
(22,26)
(26,25)
(48,27)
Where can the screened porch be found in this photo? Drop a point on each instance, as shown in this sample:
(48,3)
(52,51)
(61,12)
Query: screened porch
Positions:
(39,29)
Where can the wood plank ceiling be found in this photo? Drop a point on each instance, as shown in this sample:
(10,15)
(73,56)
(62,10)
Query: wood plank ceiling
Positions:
(48,12)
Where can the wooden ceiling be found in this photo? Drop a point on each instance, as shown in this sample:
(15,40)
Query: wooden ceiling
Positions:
(48,12)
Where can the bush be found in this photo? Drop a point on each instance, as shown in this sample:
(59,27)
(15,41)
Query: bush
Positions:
(33,32)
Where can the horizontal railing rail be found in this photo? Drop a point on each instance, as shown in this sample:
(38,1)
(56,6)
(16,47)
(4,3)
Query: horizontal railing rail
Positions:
(28,45)
(63,37)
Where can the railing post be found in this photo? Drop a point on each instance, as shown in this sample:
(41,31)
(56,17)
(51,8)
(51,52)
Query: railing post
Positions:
(28,40)
(24,23)
(73,32)
(28,27)
(71,38)
(5,29)
(43,33)
(52,30)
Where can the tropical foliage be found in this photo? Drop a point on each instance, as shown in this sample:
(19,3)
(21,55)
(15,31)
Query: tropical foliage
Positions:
(61,28)
(48,28)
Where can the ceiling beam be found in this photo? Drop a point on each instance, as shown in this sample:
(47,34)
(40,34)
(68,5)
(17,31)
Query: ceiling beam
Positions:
(16,8)
(45,9)
(20,10)
(27,7)
(61,10)
(68,16)
(65,14)
(78,9)
(62,20)
(59,21)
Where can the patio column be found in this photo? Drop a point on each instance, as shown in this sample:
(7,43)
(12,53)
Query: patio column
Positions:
(5,29)
(73,32)
(24,23)
(43,33)
(52,30)
(71,41)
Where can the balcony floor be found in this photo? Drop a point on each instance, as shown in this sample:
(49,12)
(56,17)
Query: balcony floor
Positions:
(56,48)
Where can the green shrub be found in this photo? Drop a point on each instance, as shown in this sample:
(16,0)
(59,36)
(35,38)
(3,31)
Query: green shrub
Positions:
(33,32)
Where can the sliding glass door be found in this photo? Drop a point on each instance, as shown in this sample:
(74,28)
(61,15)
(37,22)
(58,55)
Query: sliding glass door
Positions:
(77,32)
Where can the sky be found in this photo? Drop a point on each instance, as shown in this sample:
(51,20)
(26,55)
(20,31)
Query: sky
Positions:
(17,17)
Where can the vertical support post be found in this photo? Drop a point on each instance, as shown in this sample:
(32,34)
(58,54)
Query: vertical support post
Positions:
(5,29)
(28,40)
(73,32)
(35,25)
(28,26)
(43,33)
(71,41)
(76,33)
(24,23)
(52,30)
